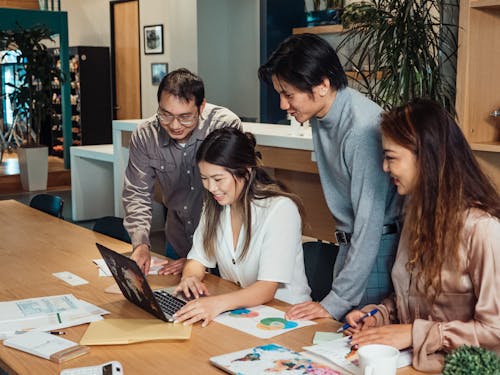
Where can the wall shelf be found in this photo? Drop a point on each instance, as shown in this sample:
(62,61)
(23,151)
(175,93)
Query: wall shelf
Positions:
(324,29)
(486,146)
(485,4)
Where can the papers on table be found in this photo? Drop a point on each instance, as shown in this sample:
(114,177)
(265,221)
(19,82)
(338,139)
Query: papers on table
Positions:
(46,313)
(261,321)
(153,269)
(336,351)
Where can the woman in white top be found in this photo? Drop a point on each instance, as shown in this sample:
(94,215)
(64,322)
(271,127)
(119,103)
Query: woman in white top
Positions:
(250,228)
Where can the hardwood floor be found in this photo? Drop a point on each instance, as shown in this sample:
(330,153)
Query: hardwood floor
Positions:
(59,178)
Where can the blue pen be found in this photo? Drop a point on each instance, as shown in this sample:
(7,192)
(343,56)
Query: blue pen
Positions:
(347,325)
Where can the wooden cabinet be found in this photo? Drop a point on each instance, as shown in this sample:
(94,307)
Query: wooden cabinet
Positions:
(478,81)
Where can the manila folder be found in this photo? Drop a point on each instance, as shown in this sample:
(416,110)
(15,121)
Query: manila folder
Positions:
(128,331)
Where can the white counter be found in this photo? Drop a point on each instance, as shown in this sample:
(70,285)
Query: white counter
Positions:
(97,173)
(265,134)
(91,181)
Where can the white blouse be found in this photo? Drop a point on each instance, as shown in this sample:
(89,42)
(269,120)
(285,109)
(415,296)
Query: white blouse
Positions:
(274,254)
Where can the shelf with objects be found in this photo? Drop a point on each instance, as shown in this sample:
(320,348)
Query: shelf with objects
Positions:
(91,114)
(478,99)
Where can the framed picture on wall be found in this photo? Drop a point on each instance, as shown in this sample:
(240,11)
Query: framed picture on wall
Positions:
(153,39)
(158,71)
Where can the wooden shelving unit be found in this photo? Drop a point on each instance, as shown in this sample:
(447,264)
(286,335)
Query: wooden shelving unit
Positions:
(478,81)
(324,29)
(485,4)
(488,147)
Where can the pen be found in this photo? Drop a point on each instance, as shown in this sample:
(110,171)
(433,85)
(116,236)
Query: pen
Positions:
(347,325)
(57,333)
(59,318)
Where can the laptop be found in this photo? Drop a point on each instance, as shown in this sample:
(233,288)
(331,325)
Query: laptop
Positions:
(136,289)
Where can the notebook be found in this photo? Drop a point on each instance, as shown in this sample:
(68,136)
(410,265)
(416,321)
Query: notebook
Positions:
(136,289)
(45,345)
(270,359)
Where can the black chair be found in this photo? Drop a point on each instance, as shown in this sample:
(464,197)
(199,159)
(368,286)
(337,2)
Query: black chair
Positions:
(319,259)
(51,204)
(112,226)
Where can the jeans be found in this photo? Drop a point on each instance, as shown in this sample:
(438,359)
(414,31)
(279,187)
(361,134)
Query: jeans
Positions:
(170,252)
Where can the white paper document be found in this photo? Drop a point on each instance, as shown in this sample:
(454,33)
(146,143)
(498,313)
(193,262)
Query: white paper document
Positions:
(46,313)
(261,321)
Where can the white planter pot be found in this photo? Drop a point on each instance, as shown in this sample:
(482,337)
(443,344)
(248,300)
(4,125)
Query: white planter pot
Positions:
(33,167)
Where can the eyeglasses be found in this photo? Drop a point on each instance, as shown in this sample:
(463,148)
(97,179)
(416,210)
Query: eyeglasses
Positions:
(184,120)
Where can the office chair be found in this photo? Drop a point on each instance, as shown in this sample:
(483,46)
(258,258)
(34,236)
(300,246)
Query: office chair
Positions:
(51,204)
(319,259)
(112,226)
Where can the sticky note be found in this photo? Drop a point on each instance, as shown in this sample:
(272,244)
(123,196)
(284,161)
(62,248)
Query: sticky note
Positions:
(320,337)
(70,278)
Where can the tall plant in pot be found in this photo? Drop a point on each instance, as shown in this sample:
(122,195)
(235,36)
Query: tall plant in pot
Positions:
(31,98)
(402,49)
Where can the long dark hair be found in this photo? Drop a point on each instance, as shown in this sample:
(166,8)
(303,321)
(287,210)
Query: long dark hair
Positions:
(449,181)
(235,151)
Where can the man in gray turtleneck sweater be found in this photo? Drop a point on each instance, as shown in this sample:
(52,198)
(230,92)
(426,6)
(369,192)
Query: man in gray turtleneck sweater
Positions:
(307,74)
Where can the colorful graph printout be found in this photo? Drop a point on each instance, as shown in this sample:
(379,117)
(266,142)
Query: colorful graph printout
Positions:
(261,321)
(270,359)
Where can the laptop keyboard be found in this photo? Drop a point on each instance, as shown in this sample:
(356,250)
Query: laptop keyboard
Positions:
(169,304)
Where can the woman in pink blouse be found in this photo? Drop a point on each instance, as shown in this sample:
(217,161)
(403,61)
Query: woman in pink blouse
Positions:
(447,271)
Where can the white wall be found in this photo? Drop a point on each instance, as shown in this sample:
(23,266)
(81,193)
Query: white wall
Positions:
(88,22)
(228,53)
(179,42)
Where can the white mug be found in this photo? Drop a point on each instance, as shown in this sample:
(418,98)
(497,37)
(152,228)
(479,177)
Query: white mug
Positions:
(378,359)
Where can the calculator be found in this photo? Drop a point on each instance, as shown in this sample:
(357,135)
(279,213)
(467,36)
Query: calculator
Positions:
(108,368)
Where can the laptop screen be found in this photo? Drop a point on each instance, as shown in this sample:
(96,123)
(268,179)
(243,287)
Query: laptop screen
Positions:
(131,281)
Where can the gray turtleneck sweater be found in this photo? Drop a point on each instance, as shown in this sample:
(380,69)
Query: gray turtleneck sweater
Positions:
(361,197)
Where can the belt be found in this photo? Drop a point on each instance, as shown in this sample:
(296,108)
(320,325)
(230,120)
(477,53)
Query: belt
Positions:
(343,238)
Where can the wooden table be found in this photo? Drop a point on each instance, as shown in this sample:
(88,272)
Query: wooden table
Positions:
(34,245)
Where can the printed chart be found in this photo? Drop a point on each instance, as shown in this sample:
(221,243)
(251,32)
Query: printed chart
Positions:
(261,321)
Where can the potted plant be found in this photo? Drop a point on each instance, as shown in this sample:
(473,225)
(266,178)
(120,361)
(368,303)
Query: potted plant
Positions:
(402,49)
(31,98)
(471,360)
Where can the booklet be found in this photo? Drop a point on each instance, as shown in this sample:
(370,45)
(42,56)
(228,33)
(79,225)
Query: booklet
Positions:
(270,359)
(339,352)
(46,345)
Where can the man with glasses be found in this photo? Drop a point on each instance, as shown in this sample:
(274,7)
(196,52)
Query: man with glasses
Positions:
(163,148)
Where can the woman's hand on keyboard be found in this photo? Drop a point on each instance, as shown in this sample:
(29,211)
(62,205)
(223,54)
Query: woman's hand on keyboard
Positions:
(192,285)
(205,309)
